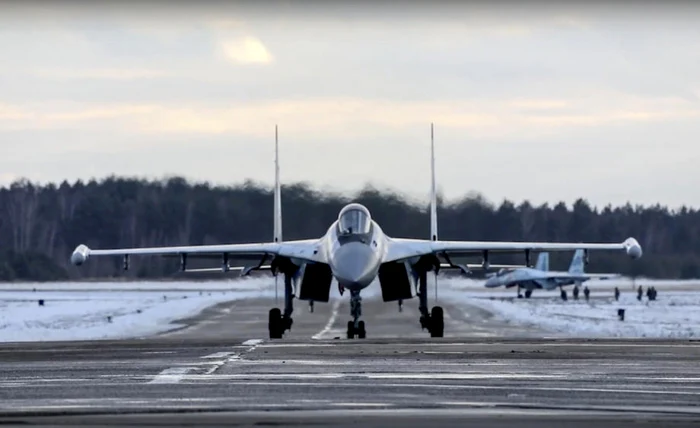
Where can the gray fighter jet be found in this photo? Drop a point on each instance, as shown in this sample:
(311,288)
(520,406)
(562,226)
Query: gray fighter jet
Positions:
(541,277)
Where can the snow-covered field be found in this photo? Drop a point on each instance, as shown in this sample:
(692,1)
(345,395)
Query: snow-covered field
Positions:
(674,314)
(81,311)
(102,310)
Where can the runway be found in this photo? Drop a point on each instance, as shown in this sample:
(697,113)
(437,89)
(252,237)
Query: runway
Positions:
(222,369)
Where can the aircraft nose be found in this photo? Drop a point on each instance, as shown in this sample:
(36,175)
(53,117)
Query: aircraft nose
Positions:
(491,282)
(354,262)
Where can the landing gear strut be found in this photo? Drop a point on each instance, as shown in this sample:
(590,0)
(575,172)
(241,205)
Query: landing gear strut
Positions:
(433,321)
(279,322)
(356,327)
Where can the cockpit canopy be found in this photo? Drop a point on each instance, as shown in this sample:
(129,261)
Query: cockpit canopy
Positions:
(354,219)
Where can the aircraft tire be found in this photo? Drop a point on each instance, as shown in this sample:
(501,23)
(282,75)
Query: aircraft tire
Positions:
(528,294)
(361,333)
(351,330)
(437,322)
(274,324)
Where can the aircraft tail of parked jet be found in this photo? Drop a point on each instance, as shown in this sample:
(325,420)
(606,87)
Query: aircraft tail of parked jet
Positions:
(577,266)
(542,261)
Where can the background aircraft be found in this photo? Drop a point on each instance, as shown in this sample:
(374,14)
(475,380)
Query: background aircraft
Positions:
(354,251)
(541,277)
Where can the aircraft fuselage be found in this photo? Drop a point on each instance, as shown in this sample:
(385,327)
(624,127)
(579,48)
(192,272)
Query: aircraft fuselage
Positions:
(355,259)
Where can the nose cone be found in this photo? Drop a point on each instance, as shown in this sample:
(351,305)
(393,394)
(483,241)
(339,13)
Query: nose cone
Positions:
(492,282)
(354,264)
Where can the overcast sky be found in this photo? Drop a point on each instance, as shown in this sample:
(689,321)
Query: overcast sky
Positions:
(529,102)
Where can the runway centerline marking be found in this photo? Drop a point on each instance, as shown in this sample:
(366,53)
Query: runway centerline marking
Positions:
(171,375)
(233,356)
(219,355)
(331,320)
(216,361)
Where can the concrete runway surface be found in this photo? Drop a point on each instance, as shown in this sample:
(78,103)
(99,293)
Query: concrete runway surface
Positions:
(222,370)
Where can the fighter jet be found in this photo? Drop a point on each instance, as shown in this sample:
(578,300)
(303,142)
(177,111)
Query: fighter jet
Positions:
(354,251)
(541,277)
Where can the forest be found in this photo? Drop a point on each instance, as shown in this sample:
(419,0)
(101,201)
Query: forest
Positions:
(40,225)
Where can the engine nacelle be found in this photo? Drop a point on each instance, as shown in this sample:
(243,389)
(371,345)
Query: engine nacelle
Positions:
(315,282)
(396,281)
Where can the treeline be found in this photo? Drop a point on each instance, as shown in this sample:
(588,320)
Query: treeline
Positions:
(41,225)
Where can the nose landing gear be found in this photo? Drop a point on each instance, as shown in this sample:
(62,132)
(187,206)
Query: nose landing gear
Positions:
(356,327)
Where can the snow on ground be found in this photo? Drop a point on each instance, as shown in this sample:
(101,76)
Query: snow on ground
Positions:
(80,311)
(236,283)
(675,314)
(72,312)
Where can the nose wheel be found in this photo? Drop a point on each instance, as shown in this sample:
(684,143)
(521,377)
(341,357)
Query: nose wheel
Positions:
(358,331)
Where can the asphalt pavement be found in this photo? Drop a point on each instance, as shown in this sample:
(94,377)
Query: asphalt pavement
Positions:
(220,369)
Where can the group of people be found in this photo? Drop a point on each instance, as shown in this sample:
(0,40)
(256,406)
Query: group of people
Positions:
(651,293)
(586,292)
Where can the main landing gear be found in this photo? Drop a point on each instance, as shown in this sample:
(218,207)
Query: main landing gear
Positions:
(528,292)
(280,322)
(434,320)
(356,327)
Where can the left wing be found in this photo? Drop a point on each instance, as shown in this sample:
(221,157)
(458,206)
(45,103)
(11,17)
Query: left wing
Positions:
(400,248)
(304,250)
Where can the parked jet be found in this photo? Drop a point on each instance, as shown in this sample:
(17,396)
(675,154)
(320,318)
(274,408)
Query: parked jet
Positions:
(541,277)
(354,251)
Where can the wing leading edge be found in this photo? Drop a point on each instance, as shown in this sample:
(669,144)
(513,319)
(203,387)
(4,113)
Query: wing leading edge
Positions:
(400,248)
(304,250)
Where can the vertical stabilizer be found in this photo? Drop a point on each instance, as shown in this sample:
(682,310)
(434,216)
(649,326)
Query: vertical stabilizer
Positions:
(542,261)
(433,201)
(576,266)
(278,197)
(433,195)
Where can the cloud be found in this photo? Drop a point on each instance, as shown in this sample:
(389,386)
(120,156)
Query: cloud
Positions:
(516,118)
(246,50)
(13,113)
(8,177)
(101,73)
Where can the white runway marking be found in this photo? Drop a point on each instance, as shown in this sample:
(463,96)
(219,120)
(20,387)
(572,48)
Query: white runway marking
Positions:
(217,360)
(331,321)
(232,356)
(171,375)
(358,376)
(218,355)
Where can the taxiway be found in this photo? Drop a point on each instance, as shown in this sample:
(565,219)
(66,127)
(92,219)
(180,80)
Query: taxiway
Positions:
(222,369)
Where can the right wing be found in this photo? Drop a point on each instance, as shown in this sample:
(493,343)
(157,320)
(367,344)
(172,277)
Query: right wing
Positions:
(307,250)
(402,248)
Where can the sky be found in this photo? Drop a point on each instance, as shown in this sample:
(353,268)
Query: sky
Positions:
(530,100)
